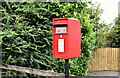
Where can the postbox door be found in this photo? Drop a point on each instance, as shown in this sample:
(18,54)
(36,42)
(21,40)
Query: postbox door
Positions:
(61,45)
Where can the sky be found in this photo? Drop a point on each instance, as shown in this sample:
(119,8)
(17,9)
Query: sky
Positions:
(110,8)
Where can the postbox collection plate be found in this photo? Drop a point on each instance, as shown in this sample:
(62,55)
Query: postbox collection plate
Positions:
(61,30)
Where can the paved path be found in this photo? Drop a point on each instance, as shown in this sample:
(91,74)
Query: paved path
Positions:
(104,73)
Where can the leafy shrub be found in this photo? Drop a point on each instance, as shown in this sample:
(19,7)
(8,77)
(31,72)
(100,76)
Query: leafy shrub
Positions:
(26,35)
(113,35)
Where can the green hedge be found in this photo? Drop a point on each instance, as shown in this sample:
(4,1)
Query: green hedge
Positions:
(26,35)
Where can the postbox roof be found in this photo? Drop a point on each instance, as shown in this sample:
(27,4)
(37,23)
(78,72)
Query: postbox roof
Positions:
(60,19)
(63,19)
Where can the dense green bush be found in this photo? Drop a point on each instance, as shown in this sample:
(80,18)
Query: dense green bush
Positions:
(113,35)
(26,35)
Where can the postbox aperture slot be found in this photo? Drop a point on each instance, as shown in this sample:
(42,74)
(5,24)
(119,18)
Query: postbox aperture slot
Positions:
(60,25)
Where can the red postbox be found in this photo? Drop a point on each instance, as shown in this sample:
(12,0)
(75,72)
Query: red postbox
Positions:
(66,38)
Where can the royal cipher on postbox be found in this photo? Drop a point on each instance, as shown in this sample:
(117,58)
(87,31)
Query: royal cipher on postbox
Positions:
(66,38)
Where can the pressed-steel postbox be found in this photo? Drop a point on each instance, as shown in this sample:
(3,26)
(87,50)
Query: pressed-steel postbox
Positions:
(66,38)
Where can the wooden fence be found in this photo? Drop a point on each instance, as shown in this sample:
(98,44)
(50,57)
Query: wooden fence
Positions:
(45,73)
(105,59)
(31,70)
